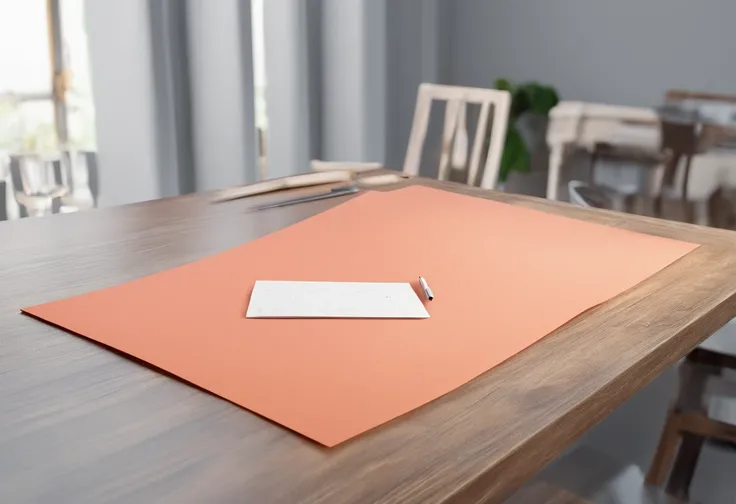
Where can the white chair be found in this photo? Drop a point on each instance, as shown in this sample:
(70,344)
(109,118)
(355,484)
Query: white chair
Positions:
(494,109)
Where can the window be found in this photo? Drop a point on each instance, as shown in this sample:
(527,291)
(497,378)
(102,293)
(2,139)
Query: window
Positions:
(259,77)
(45,90)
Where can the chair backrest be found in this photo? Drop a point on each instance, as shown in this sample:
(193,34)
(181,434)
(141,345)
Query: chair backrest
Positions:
(490,100)
(679,137)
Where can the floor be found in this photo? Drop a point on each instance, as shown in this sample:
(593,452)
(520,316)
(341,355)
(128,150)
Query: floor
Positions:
(631,433)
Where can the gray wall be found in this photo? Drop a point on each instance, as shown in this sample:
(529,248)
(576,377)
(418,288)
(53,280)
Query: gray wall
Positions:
(287,93)
(221,76)
(173,92)
(417,50)
(123,87)
(347,79)
(625,52)
(404,74)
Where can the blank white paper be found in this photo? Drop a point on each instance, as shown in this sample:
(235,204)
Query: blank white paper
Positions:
(281,299)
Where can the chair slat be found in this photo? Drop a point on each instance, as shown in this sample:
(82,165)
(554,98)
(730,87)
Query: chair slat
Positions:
(418,131)
(480,134)
(452,113)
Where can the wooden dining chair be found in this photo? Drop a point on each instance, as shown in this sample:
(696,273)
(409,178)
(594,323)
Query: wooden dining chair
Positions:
(494,112)
(698,415)
(491,101)
(680,143)
(668,171)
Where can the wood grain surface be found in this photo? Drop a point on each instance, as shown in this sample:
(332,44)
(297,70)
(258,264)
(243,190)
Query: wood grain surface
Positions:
(82,424)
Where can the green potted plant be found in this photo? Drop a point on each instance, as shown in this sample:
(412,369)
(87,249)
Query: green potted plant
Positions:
(526,98)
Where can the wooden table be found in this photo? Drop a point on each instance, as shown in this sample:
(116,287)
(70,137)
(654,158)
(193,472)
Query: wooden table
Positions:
(80,423)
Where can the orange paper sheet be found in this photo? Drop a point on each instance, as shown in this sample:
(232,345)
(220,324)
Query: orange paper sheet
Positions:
(503,277)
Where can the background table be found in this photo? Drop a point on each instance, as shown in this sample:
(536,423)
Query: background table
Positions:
(582,125)
(80,423)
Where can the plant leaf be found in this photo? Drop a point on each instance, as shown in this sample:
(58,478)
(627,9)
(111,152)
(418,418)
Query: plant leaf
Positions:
(529,96)
(515,155)
(543,98)
(519,103)
(504,85)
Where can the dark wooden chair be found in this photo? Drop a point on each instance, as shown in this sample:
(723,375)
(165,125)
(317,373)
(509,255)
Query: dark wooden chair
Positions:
(680,143)
(667,170)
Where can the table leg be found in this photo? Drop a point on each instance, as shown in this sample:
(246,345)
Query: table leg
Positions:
(555,167)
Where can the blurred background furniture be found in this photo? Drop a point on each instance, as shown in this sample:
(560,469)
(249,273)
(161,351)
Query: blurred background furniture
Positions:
(632,134)
(585,195)
(494,108)
(68,182)
(664,175)
(34,188)
(574,125)
(680,142)
(716,111)
(494,111)
(77,171)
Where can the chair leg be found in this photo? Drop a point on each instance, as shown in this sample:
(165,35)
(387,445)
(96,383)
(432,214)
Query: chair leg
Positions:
(687,208)
(592,166)
(683,471)
(666,451)
(693,378)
